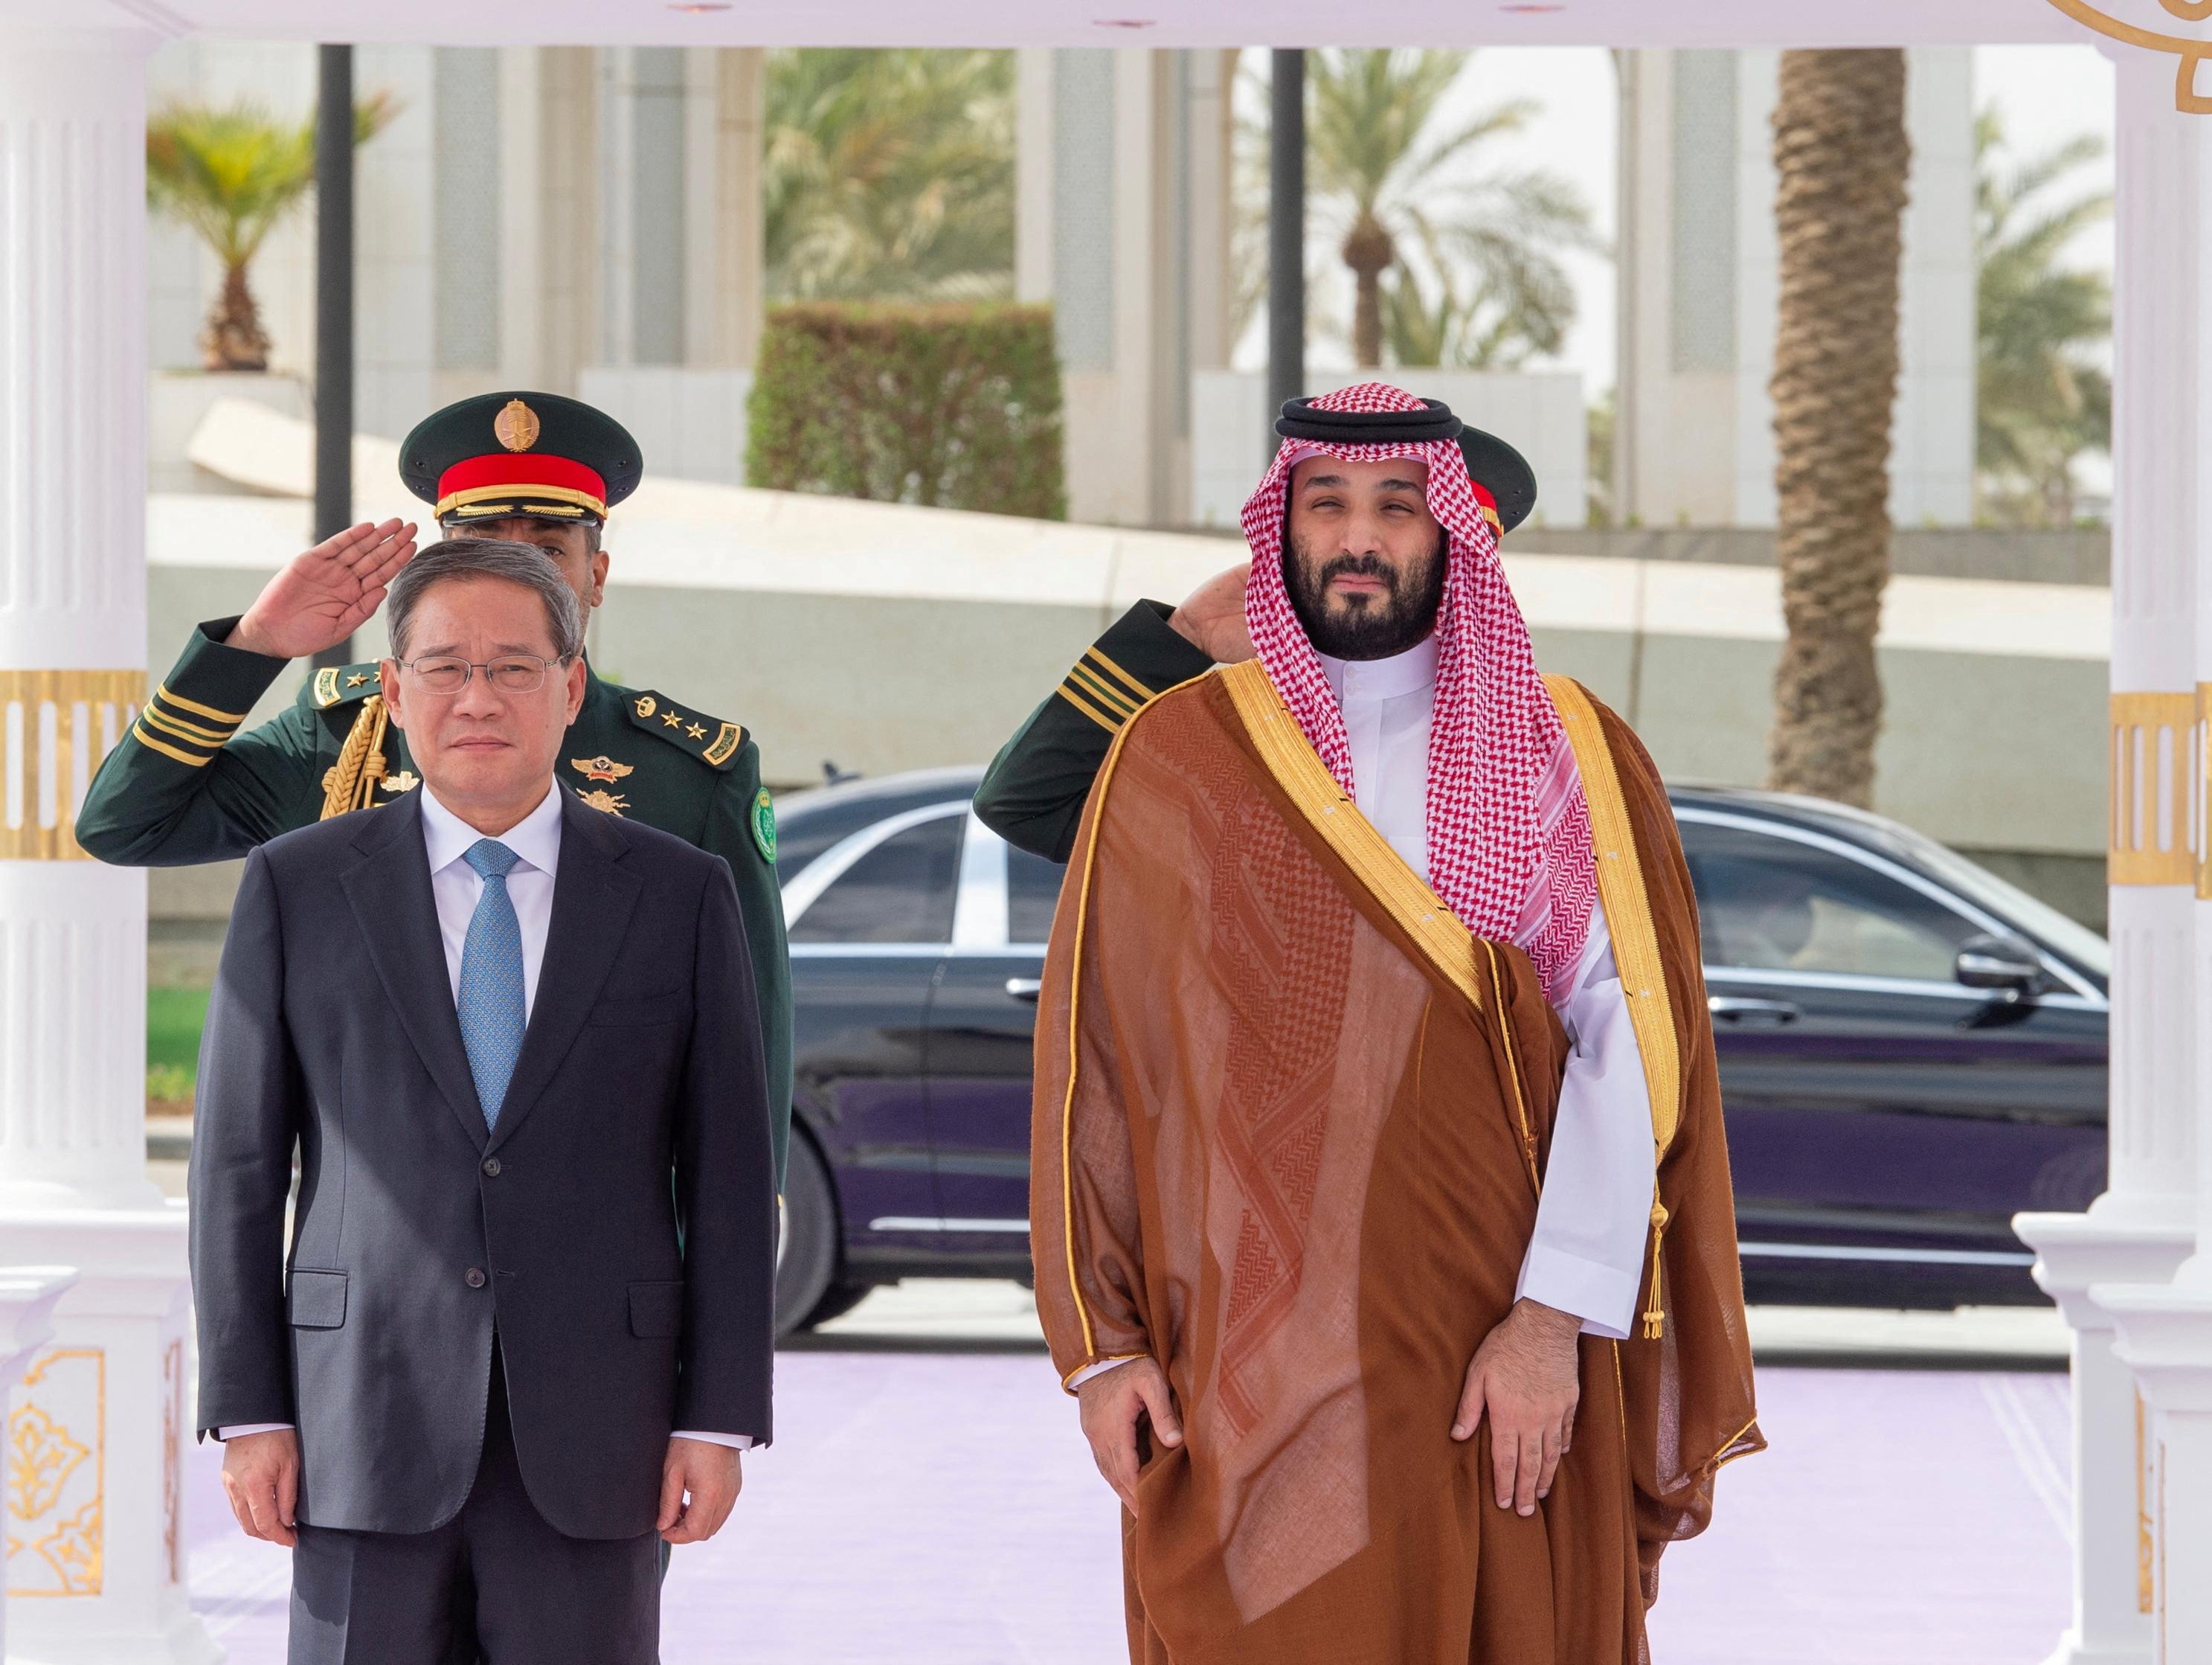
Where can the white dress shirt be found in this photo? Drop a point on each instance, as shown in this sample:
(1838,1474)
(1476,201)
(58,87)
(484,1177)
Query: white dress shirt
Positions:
(1586,1254)
(456,888)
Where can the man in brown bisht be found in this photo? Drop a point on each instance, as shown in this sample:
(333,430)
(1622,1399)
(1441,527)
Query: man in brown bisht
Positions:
(1379,1199)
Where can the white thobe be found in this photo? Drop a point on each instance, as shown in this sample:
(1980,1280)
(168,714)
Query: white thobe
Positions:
(1586,1255)
(456,888)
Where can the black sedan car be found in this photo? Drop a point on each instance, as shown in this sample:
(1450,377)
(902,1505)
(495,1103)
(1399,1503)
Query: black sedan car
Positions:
(1912,1050)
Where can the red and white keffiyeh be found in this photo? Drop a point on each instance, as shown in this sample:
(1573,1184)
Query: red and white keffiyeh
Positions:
(1509,832)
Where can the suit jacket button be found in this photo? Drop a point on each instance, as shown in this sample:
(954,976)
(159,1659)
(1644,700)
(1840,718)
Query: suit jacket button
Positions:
(491,1166)
(474,1278)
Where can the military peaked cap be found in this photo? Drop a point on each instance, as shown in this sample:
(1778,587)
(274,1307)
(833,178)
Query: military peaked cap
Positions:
(1495,466)
(501,455)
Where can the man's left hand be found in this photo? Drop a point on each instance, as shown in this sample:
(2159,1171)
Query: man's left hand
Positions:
(699,1483)
(1524,1376)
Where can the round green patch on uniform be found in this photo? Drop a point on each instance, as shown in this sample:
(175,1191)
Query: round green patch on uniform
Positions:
(764,823)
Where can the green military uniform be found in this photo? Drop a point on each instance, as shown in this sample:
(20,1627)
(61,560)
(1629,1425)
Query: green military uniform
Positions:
(185,786)
(1033,794)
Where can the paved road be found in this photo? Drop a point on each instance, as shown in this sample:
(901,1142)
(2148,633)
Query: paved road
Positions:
(928,1501)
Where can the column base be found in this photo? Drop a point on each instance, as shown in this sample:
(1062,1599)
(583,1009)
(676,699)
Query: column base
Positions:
(2166,1338)
(2122,1238)
(2072,1650)
(96,1571)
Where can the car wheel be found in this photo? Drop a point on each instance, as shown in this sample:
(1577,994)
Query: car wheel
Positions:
(808,1259)
(840,1299)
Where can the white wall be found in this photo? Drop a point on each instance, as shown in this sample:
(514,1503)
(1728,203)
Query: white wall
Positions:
(689,425)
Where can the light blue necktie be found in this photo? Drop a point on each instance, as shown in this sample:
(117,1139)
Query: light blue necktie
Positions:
(490,1001)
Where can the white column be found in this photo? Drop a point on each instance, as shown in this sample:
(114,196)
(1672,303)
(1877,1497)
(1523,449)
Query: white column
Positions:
(2165,1329)
(28,1294)
(94,1502)
(2140,1230)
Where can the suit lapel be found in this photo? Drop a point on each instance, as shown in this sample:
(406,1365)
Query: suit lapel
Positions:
(390,890)
(594,897)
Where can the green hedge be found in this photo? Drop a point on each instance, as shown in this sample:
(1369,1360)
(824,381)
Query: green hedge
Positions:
(953,407)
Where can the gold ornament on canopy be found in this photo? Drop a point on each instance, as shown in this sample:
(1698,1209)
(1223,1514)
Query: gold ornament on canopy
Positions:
(2187,98)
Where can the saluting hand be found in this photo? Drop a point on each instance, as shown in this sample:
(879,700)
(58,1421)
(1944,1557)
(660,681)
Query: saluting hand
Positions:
(1212,619)
(325,596)
(1111,1402)
(1525,1375)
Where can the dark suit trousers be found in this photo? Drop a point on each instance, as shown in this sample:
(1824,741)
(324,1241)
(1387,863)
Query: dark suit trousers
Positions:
(541,1598)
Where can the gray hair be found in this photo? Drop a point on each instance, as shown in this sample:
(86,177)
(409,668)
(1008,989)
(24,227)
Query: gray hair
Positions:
(458,559)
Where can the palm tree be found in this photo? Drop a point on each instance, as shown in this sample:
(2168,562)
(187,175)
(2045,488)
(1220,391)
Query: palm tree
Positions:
(232,175)
(889,174)
(2040,402)
(1487,243)
(1842,157)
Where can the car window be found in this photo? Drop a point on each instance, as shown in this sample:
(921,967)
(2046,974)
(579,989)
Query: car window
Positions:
(1773,904)
(902,891)
(1032,893)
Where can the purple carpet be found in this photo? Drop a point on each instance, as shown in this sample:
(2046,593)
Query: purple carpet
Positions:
(931,1506)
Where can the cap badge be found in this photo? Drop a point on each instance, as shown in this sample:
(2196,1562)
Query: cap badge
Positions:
(515,426)
(602,767)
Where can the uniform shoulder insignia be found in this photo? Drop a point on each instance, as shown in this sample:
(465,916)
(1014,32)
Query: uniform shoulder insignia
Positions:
(343,685)
(713,741)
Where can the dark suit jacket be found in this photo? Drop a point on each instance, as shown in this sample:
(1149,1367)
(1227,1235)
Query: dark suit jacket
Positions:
(625,1308)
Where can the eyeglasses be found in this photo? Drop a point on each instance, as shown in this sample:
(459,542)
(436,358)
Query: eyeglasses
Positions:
(510,673)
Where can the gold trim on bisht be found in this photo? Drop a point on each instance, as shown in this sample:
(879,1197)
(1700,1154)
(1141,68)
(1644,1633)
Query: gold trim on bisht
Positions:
(1445,942)
(89,713)
(2153,738)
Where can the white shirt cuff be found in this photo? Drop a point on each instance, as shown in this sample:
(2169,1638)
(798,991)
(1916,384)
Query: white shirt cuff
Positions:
(735,1442)
(1098,1370)
(242,1430)
(1603,1297)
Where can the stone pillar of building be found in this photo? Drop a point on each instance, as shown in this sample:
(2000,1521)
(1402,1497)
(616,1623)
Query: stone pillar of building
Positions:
(96,1552)
(2141,1228)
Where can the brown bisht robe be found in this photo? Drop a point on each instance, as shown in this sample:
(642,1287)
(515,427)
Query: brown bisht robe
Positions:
(1291,1125)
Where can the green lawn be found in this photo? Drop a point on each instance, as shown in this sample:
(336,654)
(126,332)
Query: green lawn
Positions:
(175,1018)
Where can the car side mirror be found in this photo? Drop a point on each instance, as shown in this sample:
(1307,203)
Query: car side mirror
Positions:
(1999,962)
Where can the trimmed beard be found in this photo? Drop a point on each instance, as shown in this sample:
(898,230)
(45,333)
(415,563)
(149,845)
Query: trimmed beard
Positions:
(1366,626)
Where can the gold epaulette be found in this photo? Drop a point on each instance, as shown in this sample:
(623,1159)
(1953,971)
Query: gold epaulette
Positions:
(337,685)
(1103,691)
(713,741)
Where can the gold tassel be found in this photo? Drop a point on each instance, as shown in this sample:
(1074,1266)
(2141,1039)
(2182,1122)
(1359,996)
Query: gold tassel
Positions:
(349,782)
(1654,1315)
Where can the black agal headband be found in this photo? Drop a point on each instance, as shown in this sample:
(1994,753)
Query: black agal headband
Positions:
(1496,467)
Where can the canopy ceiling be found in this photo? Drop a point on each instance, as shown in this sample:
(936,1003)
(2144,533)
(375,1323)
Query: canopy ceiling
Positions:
(1091,22)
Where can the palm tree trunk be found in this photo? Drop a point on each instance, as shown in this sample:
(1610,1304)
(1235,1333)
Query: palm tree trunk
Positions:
(1842,155)
(1369,250)
(234,339)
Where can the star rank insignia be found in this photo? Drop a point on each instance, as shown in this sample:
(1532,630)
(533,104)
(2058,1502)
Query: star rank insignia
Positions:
(599,797)
(671,719)
(406,781)
(356,679)
(601,767)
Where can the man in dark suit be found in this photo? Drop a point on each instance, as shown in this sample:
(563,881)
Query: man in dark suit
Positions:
(502,1349)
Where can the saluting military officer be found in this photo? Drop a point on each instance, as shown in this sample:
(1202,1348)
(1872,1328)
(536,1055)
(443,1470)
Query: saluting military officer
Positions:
(1032,794)
(186,786)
